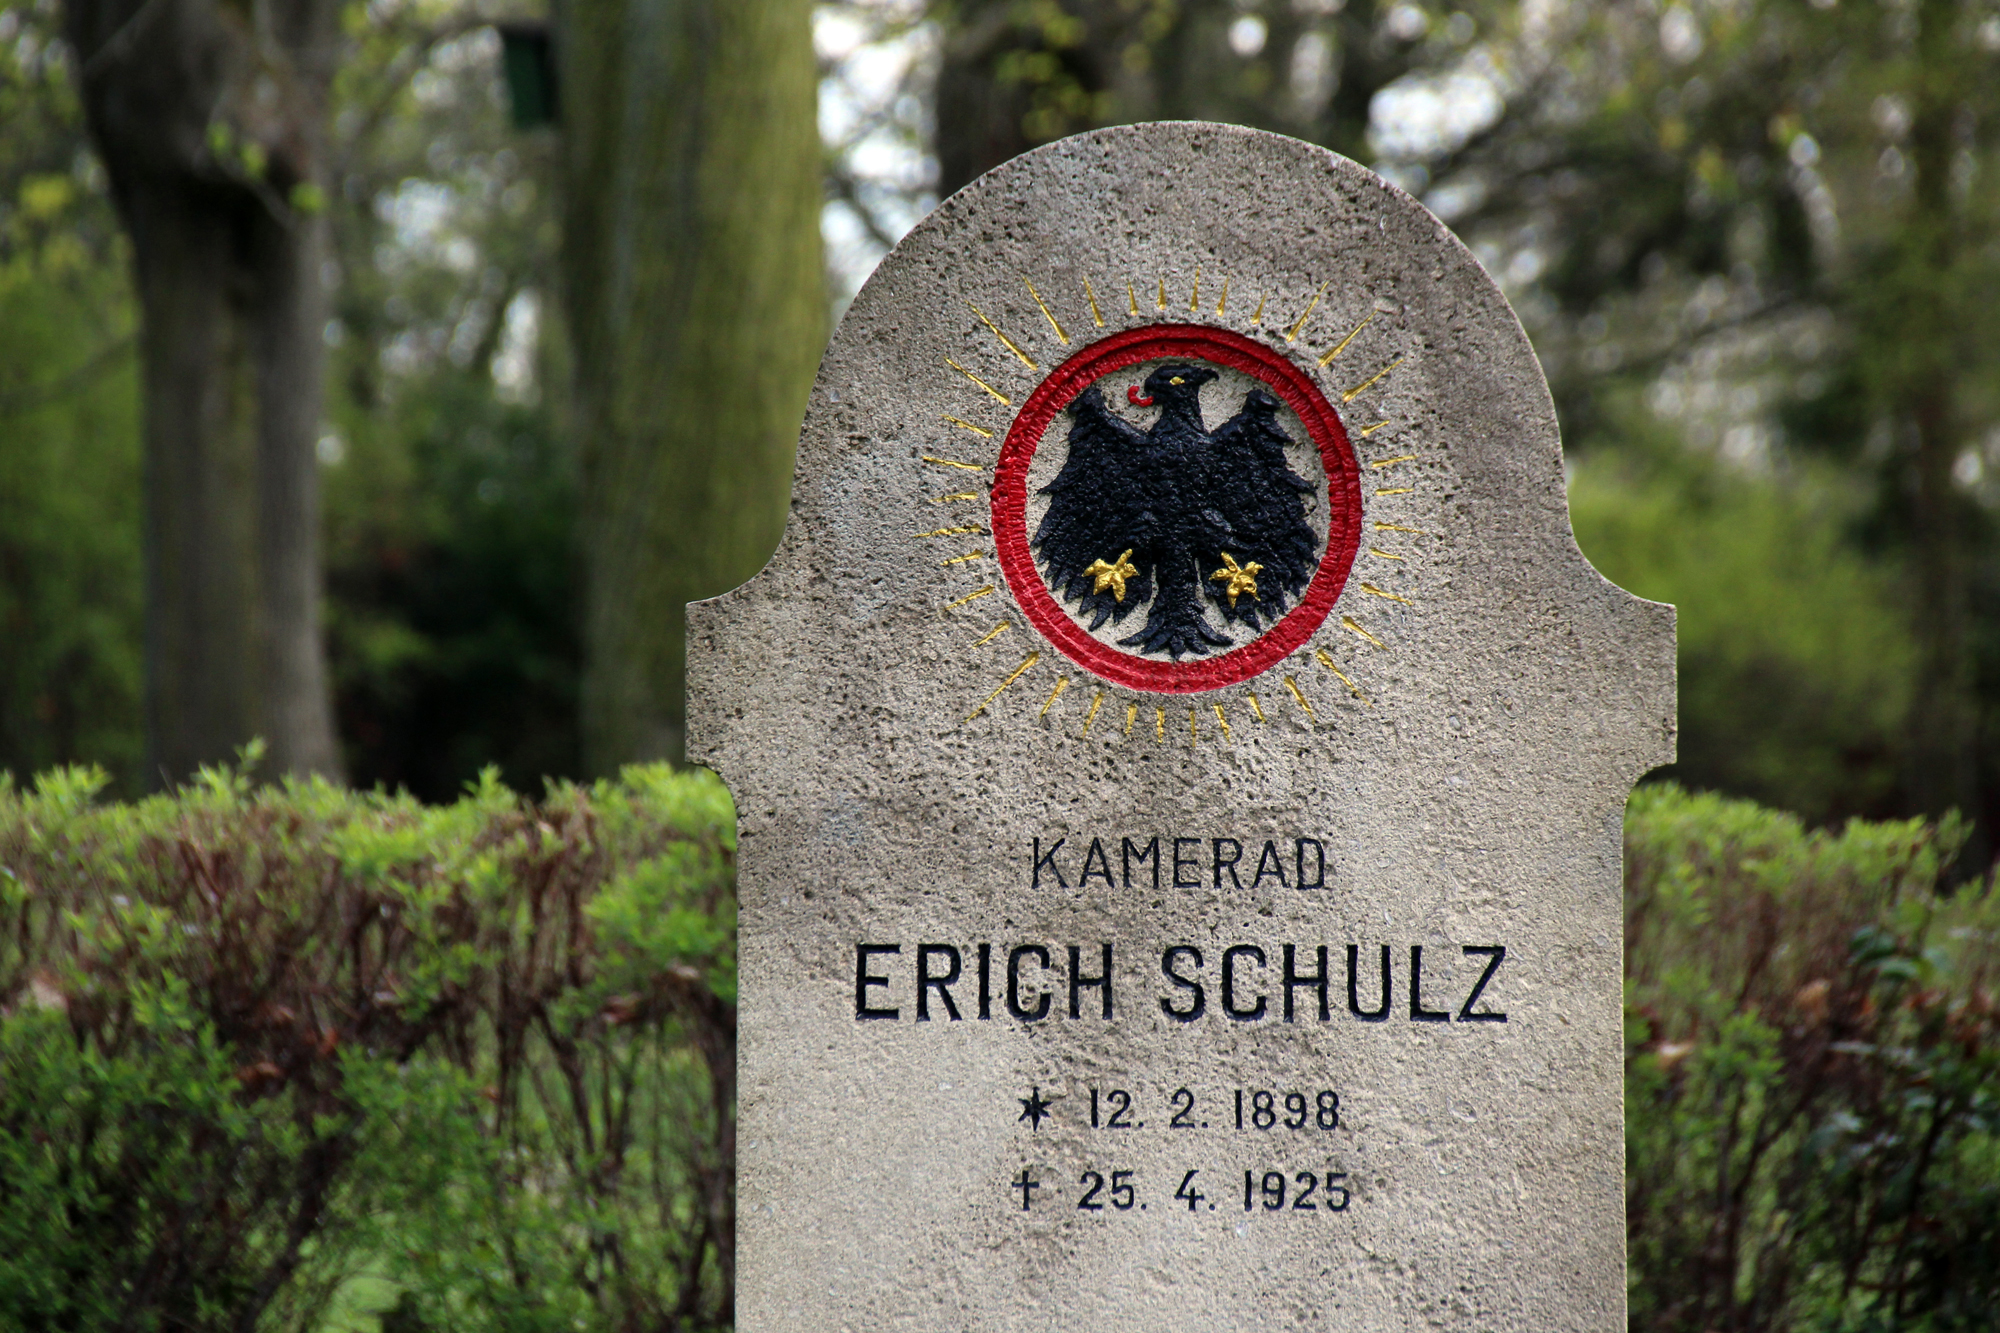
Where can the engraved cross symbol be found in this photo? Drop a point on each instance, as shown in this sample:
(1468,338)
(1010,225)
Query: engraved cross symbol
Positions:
(1027,1188)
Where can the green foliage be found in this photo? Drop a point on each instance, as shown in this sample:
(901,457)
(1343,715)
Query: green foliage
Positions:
(69,455)
(1795,655)
(258,1041)
(450,486)
(262,1049)
(1812,1074)
(452,589)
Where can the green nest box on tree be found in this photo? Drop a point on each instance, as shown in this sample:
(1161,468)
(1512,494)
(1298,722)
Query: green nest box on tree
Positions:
(528,60)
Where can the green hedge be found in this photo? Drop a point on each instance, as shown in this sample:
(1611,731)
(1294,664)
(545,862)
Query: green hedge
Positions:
(274,1056)
(261,1042)
(1812,1105)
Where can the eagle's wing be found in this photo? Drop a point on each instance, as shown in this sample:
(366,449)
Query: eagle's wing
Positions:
(1098,518)
(1261,502)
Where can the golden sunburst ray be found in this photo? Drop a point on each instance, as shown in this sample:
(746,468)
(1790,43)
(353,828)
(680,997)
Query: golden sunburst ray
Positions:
(1327,662)
(1374,591)
(1391,462)
(962,423)
(953,462)
(1292,334)
(1369,383)
(1131,716)
(1220,720)
(992,634)
(1350,623)
(1255,707)
(972,596)
(1341,346)
(1366,431)
(997,396)
(1019,671)
(953,532)
(1194,297)
(1222,301)
(1298,694)
(1091,716)
(1005,341)
(1091,296)
(1381,554)
(1061,337)
(1054,695)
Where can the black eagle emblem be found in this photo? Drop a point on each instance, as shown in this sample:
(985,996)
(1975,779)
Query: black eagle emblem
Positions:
(1188,519)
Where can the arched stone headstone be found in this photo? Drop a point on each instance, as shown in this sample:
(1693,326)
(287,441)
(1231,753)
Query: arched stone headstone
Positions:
(1180,823)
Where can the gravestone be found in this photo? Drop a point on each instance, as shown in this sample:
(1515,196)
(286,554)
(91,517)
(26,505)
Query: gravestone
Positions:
(1180,754)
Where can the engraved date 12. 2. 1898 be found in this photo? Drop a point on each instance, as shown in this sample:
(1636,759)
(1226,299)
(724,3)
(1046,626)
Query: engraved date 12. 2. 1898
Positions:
(1242,1108)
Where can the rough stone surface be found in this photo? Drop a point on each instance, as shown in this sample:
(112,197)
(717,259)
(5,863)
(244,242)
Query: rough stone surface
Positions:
(1468,791)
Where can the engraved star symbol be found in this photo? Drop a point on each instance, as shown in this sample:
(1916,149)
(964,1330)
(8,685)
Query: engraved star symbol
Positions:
(1114,574)
(1034,1106)
(1241,578)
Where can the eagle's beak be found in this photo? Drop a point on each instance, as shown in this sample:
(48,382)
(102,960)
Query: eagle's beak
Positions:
(1137,399)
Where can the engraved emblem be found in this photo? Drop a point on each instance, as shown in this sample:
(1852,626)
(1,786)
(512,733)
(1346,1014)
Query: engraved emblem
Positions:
(1160,552)
(1174,506)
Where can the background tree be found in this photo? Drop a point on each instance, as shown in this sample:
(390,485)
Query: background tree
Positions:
(452,572)
(209,120)
(1015,75)
(696,306)
(1784,211)
(70,672)
(1750,242)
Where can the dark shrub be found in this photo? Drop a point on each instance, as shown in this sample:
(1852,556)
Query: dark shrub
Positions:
(258,1040)
(1812,1075)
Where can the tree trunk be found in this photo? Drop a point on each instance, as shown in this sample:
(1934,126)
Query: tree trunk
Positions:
(209,121)
(697,309)
(1944,720)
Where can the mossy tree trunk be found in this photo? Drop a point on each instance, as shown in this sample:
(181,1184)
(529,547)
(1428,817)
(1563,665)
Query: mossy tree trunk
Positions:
(696,303)
(209,117)
(1921,357)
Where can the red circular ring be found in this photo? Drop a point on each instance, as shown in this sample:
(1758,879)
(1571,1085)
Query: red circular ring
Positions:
(1170,342)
